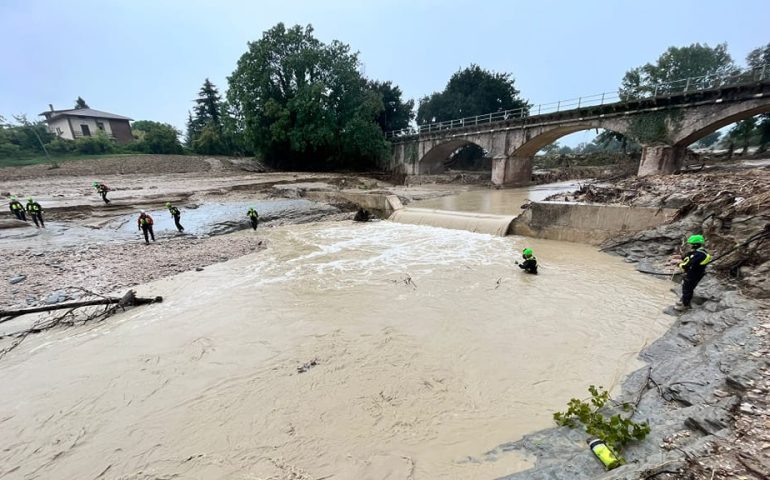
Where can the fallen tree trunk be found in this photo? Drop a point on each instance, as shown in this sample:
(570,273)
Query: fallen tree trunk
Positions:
(128,300)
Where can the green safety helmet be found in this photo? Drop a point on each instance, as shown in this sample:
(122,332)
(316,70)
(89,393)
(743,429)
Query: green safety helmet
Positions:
(168,204)
(527,251)
(696,239)
(29,199)
(13,197)
(95,183)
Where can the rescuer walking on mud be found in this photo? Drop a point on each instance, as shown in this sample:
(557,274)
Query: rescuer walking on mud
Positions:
(176,214)
(253,217)
(694,267)
(145,225)
(17,209)
(529,264)
(36,212)
(102,190)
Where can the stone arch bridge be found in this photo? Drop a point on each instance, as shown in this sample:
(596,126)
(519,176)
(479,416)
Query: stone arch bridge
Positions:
(663,125)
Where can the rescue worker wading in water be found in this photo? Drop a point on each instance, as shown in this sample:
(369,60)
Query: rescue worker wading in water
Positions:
(17,209)
(253,218)
(694,267)
(145,225)
(176,214)
(102,190)
(36,212)
(529,264)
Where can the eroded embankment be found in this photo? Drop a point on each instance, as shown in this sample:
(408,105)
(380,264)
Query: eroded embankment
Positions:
(705,389)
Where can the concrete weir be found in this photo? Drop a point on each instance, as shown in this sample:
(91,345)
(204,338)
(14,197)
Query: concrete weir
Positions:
(498,225)
(572,222)
(585,223)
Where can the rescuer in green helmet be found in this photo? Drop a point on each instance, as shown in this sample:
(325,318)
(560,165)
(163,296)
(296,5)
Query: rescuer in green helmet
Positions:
(102,190)
(253,218)
(694,267)
(175,213)
(36,212)
(529,264)
(17,209)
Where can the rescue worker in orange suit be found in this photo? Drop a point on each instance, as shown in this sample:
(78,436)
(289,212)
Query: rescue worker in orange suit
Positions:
(144,222)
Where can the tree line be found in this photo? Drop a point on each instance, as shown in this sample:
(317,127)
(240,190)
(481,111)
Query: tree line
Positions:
(300,103)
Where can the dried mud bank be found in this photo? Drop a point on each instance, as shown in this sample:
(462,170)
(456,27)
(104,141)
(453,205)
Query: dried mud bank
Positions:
(706,387)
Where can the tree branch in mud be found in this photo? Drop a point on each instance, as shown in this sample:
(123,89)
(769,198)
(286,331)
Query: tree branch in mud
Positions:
(111,305)
(129,299)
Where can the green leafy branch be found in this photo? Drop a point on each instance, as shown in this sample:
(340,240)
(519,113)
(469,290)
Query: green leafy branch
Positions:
(615,430)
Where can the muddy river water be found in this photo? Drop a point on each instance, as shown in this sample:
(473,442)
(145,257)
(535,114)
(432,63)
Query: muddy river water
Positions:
(345,351)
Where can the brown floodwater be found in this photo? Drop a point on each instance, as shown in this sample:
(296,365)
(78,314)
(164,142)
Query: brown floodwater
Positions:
(424,349)
(499,202)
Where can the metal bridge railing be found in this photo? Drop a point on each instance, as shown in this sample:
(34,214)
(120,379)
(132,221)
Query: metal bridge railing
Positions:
(685,85)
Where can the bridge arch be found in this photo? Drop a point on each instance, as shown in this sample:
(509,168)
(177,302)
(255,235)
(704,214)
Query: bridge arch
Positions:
(547,136)
(718,118)
(433,160)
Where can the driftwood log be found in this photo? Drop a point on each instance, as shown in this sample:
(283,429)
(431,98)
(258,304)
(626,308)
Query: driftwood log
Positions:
(128,300)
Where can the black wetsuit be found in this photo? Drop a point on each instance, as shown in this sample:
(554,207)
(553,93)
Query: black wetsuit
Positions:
(17,209)
(36,212)
(253,217)
(102,189)
(694,267)
(529,265)
(176,214)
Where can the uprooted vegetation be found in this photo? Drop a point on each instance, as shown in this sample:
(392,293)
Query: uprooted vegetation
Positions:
(732,209)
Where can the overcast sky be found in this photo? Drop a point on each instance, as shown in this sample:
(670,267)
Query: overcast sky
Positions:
(146,59)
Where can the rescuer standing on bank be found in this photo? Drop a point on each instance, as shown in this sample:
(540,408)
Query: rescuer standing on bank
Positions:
(36,212)
(694,267)
(176,214)
(529,264)
(145,225)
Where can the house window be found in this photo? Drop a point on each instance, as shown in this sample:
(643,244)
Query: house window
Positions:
(86,130)
(59,131)
(100,126)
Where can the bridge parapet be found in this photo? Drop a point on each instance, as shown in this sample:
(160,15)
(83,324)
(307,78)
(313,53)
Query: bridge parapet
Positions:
(664,125)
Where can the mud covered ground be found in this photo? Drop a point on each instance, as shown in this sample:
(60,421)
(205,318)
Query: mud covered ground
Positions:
(85,246)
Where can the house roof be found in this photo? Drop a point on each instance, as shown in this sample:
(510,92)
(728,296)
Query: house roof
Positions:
(83,112)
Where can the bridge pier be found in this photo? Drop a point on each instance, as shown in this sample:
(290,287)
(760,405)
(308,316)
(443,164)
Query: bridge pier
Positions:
(511,171)
(660,160)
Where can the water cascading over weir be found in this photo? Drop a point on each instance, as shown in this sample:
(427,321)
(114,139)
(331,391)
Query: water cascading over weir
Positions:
(498,225)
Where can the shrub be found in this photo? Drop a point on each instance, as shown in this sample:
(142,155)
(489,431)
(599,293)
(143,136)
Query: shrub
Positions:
(615,430)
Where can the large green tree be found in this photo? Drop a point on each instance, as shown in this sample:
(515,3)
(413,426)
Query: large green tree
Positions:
(156,137)
(396,113)
(743,133)
(80,103)
(304,103)
(757,59)
(205,124)
(677,63)
(469,92)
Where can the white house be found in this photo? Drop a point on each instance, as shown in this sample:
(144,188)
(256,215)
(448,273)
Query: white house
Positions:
(86,122)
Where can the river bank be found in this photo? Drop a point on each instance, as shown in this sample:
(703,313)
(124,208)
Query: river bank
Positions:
(705,389)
